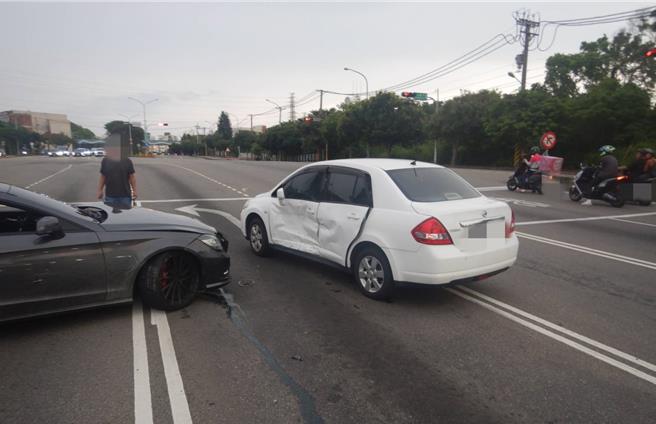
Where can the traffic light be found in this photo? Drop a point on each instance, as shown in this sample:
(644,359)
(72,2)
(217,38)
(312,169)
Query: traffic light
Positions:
(413,95)
(651,53)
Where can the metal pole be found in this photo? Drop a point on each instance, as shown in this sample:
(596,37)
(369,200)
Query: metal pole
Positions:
(251,123)
(366,81)
(143,105)
(320,100)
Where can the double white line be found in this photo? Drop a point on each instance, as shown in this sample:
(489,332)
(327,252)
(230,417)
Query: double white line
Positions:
(589,251)
(574,340)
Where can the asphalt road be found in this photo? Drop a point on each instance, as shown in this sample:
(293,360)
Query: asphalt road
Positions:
(566,335)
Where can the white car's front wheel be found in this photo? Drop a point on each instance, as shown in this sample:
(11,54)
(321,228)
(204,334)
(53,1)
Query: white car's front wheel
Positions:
(373,274)
(257,237)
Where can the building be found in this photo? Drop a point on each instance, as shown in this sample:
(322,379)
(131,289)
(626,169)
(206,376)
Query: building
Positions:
(39,122)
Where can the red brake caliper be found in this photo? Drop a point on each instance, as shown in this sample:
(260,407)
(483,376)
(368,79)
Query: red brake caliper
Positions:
(164,275)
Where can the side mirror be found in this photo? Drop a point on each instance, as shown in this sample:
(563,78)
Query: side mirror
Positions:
(49,226)
(280,194)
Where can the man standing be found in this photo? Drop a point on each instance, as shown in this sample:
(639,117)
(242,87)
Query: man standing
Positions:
(117,178)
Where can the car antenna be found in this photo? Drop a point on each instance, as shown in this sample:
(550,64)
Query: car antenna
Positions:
(414,162)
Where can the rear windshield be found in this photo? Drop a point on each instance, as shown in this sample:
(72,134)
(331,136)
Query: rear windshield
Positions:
(432,184)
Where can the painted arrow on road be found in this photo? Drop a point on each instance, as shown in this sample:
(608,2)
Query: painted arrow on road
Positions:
(193,210)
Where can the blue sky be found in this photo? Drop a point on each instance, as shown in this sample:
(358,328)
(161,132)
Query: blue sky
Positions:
(85,60)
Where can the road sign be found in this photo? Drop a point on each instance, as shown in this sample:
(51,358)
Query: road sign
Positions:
(548,140)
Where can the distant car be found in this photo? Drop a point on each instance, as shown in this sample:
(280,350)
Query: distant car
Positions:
(56,257)
(61,152)
(2,153)
(24,152)
(98,152)
(82,152)
(385,220)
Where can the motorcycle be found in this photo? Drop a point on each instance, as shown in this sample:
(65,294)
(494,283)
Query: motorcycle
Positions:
(606,190)
(531,181)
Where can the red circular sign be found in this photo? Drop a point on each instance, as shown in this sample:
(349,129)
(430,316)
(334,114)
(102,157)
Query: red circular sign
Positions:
(548,140)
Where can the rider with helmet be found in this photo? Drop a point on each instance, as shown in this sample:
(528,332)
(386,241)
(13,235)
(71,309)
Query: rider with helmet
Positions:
(608,166)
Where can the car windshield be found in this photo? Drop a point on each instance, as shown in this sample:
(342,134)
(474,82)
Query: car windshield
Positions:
(432,184)
(42,201)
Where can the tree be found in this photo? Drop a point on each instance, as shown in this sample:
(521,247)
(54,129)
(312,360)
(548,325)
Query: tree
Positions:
(460,121)
(13,138)
(59,139)
(384,120)
(519,119)
(224,128)
(621,58)
(81,133)
(123,128)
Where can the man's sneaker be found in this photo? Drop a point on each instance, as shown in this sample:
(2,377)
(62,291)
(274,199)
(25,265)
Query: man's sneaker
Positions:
(586,202)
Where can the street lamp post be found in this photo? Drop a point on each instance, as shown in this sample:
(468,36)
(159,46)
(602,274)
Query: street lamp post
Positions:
(277,107)
(511,75)
(143,105)
(366,82)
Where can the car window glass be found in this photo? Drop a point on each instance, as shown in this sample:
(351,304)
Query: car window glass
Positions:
(304,186)
(362,191)
(340,187)
(432,184)
(15,220)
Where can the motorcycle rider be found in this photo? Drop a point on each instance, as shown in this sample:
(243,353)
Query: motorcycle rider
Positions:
(650,164)
(534,165)
(608,168)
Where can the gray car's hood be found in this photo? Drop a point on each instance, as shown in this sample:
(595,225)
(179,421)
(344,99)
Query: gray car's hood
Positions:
(144,219)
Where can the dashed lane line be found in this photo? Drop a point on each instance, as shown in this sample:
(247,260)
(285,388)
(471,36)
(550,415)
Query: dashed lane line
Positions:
(48,177)
(634,222)
(213,199)
(211,179)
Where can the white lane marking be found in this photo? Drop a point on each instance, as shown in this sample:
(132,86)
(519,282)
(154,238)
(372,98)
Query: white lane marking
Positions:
(211,179)
(496,188)
(589,251)
(209,199)
(193,210)
(590,218)
(633,222)
(49,176)
(138,203)
(607,359)
(520,202)
(143,409)
(556,327)
(177,397)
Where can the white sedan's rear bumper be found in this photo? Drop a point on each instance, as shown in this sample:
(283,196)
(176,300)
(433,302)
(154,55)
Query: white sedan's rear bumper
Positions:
(445,264)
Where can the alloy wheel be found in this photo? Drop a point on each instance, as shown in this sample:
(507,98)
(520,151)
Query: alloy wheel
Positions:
(371,274)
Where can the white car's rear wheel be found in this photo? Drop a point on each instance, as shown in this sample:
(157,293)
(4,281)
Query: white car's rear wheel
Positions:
(373,274)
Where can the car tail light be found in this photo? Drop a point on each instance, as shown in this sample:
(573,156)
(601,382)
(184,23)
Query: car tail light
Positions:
(622,178)
(510,226)
(431,231)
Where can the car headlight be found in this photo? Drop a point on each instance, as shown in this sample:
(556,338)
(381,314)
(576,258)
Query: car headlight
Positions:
(211,241)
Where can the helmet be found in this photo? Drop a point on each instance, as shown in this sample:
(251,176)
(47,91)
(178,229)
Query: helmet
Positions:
(606,150)
(535,150)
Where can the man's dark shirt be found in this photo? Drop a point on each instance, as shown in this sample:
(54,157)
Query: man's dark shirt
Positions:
(117,173)
(636,167)
(608,168)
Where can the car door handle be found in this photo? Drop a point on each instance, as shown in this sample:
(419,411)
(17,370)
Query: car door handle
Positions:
(353,216)
(310,210)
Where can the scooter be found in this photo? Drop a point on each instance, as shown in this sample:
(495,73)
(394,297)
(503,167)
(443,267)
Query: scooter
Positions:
(531,181)
(607,190)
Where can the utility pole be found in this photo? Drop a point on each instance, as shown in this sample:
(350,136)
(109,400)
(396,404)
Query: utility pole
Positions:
(437,106)
(527,26)
(251,122)
(292,112)
(197,136)
(320,99)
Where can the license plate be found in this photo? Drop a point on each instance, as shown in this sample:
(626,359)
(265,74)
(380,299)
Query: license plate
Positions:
(478,231)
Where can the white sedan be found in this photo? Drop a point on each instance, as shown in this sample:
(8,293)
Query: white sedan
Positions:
(385,220)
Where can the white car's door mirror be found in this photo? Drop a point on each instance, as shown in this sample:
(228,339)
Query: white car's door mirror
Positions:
(280,194)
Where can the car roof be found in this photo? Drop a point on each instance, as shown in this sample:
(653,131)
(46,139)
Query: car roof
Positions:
(378,163)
